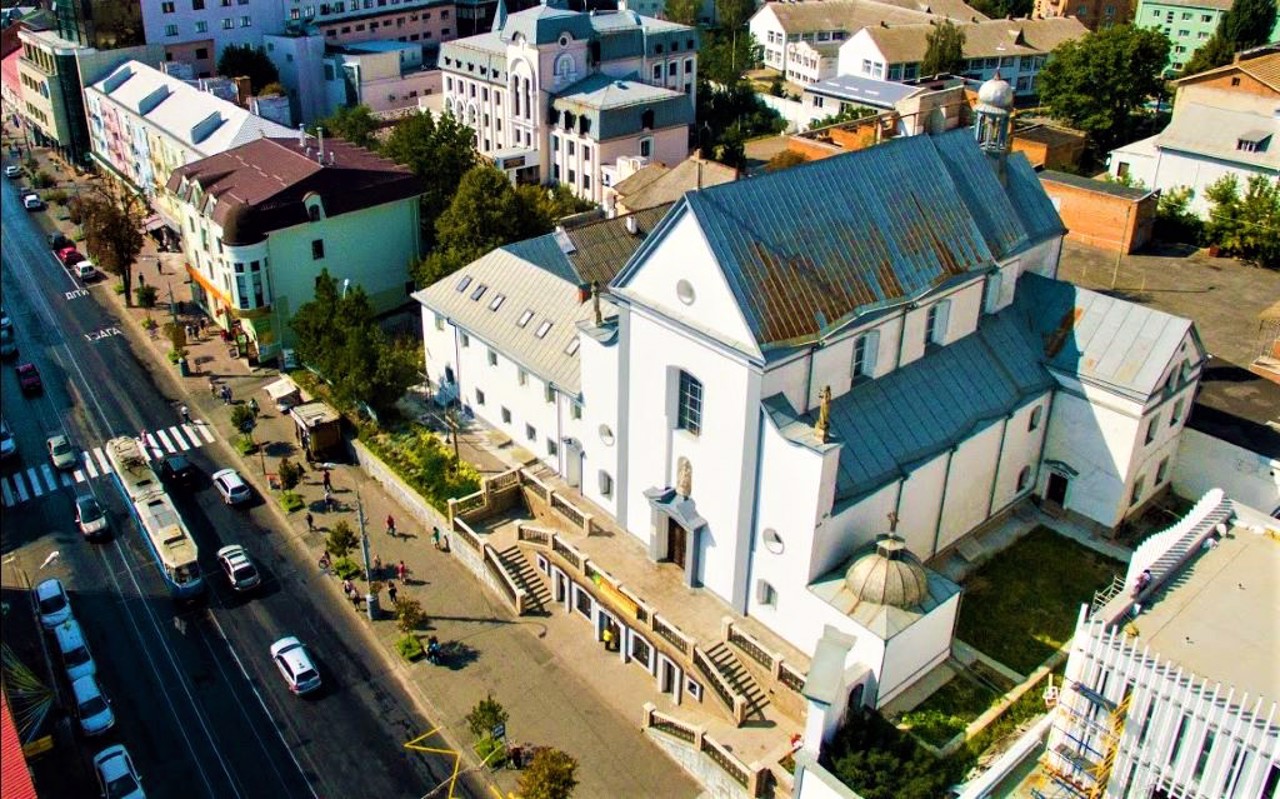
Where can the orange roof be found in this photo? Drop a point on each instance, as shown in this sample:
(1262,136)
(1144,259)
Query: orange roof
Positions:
(13,763)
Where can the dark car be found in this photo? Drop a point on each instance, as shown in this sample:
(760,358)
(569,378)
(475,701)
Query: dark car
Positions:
(70,255)
(29,378)
(58,241)
(177,471)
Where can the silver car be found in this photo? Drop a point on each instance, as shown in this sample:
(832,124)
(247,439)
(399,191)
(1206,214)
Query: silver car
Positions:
(92,707)
(231,487)
(52,603)
(61,453)
(295,665)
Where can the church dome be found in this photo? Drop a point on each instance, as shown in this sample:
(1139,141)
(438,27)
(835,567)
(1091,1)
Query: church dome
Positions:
(888,575)
(997,93)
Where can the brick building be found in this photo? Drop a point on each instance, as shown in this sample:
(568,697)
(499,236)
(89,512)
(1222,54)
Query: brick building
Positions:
(1102,214)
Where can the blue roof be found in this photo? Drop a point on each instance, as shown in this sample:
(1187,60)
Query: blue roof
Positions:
(1113,343)
(545,252)
(983,193)
(867,91)
(890,425)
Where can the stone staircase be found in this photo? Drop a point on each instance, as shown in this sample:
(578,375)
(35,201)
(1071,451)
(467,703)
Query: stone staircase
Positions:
(739,679)
(517,564)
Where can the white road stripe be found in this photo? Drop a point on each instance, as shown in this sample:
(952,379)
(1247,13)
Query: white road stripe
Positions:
(33,477)
(164,439)
(65,479)
(145,446)
(79,475)
(182,442)
(104,465)
(203,427)
(22,490)
(49,478)
(7,492)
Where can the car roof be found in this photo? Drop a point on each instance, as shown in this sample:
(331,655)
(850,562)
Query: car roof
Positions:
(50,587)
(112,761)
(85,687)
(229,475)
(234,554)
(177,461)
(84,499)
(58,438)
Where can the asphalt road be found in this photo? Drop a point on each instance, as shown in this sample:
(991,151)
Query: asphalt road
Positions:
(198,702)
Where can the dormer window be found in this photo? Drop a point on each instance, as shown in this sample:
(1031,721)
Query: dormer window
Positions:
(1253,142)
(313,213)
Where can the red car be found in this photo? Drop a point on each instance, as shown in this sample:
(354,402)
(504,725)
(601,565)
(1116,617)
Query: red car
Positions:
(29,378)
(69,256)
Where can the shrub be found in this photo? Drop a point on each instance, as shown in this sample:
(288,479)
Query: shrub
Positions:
(43,180)
(31,163)
(149,324)
(409,647)
(341,540)
(242,417)
(146,296)
(492,753)
(57,197)
(425,462)
(487,714)
(551,775)
(290,474)
(290,501)
(347,569)
(75,211)
(409,615)
(119,287)
(245,444)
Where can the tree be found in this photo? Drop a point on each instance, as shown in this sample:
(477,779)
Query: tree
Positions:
(684,12)
(1246,225)
(1212,54)
(785,160)
(724,54)
(1248,23)
(341,539)
(410,617)
(272,89)
(355,124)
(1174,219)
(1097,82)
(112,225)
(847,114)
(551,775)
(733,14)
(243,60)
(290,474)
(487,714)
(944,51)
(439,150)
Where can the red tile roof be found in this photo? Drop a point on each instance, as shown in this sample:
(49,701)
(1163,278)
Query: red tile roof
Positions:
(260,186)
(14,775)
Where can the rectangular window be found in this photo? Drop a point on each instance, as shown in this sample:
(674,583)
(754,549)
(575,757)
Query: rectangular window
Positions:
(865,349)
(202,27)
(543,329)
(646,148)
(524,318)
(167,8)
(935,326)
(522,377)
(1162,471)
(552,449)
(530,432)
(197,5)
(689,413)
(170,30)
(317,249)
(493,358)
(465,340)
(1151,428)
(1176,416)
(549,393)
(479,397)
(575,410)
(245,22)
(506,416)
(606,484)
(439,322)
(228,24)
(1138,485)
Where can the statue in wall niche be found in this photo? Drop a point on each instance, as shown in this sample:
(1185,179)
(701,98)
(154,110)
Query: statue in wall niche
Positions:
(595,302)
(823,425)
(684,477)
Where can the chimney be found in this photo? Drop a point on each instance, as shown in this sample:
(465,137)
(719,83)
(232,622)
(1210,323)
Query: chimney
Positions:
(632,227)
(584,293)
(244,90)
(302,135)
(331,158)
(320,144)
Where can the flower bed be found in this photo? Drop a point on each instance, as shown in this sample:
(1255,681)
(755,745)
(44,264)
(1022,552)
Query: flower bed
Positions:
(423,461)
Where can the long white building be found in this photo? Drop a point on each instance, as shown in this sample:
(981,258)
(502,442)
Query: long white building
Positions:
(784,368)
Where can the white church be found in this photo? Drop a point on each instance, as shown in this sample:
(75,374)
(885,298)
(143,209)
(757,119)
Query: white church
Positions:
(773,369)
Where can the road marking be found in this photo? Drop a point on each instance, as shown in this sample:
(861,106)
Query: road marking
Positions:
(22,491)
(182,442)
(77,294)
(79,475)
(49,479)
(65,479)
(164,439)
(203,427)
(104,466)
(8,494)
(33,477)
(106,332)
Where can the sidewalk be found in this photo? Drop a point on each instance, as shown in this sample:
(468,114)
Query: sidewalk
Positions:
(542,687)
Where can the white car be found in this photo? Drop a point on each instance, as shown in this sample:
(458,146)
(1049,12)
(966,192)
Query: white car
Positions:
(76,657)
(231,487)
(52,603)
(91,517)
(295,665)
(8,446)
(85,270)
(61,453)
(239,568)
(92,707)
(12,171)
(116,775)
(32,202)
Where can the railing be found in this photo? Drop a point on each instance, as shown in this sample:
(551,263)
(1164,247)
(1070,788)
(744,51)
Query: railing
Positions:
(791,677)
(567,552)
(731,765)
(533,484)
(468,536)
(672,635)
(504,480)
(732,699)
(673,727)
(468,503)
(642,607)
(534,535)
(754,778)
(1105,595)
(752,648)
(568,511)
(514,592)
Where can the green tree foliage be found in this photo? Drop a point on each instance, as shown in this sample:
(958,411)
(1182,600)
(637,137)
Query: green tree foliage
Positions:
(242,417)
(487,714)
(1212,54)
(684,12)
(733,14)
(945,50)
(999,9)
(410,617)
(1248,23)
(551,775)
(1098,83)
(729,116)
(439,150)
(872,757)
(1174,219)
(847,114)
(112,225)
(355,123)
(725,54)
(1246,224)
(341,539)
(239,61)
(339,336)
(290,474)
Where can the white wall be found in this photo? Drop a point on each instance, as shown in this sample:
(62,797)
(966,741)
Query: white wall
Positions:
(965,308)
(968,486)
(599,365)
(1022,447)
(860,47)
(1096,441)
(1206,462)
(914,650)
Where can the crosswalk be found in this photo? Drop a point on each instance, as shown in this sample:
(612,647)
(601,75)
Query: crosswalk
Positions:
(36,481)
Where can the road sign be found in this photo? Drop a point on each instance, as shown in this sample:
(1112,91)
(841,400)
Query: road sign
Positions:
(499,731)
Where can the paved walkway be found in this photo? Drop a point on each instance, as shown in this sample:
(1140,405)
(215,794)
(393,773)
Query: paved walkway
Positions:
(548,677)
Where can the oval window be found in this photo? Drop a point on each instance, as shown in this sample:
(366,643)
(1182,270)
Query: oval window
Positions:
(773,541)
(606,435)
(684,290)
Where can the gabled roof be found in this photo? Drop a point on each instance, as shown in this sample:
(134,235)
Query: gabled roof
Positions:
(260,186)
(656,185)
(815,246)
(892,424)
(1115,344)
(615,106)
(808,16)
(994,38)
(1216,132)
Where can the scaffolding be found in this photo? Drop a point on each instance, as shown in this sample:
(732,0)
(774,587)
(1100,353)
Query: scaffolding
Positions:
(1085,768)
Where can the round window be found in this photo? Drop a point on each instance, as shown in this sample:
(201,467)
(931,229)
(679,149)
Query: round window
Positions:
(606,435)
(564,41)
(773,541)
(684,290)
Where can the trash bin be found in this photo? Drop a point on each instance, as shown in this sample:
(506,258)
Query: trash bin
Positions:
(371,605)
(183,369)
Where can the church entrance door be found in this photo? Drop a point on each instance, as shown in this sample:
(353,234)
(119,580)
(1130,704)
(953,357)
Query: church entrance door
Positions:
(677,537)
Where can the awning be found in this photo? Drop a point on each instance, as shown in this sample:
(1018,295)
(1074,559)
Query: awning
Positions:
(153,222)
(281,388)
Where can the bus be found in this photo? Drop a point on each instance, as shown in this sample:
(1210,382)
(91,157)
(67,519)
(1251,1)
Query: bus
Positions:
(136,477)
(171,544)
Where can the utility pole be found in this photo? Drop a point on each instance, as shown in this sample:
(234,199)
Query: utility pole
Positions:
(370,598)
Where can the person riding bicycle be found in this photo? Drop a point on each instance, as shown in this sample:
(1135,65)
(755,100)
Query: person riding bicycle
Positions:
(433,649)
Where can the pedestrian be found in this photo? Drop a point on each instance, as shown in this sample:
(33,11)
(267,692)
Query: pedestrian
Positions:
(348,586)
(355,598)
(327,480)
(435,537)
(328,500)
(226,394)
(311,523)
(402,571)
(377,566)
(391,591)
(391,525)
(213,387)
(186,414)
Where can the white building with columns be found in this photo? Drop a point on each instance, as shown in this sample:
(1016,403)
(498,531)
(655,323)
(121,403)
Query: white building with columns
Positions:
(783,369)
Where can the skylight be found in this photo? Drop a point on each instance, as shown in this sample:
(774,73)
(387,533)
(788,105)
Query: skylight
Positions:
(479,292)
(463,283)
(524,318)
(543,329)
(572,349)
(496,303)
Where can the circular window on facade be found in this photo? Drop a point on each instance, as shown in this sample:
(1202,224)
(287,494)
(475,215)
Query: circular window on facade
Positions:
(684,290)
(773,541)
(606,435)
(564,41)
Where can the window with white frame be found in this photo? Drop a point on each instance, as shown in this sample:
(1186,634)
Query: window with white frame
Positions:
(689,408)
(935,325)
(606,484)
(865,349)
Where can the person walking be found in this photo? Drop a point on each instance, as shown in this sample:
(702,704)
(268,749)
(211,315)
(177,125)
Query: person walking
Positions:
(391,525)
(402,571)
(186,414)
(328,500)
(377,566)
(355,598)
(348,586)
(327,480)
(311,523)
(435,537)
(391,591)
(213,387)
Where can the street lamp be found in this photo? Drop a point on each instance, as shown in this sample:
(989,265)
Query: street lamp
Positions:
(370,598)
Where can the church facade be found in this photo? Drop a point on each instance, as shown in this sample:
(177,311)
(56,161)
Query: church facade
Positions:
(777,376)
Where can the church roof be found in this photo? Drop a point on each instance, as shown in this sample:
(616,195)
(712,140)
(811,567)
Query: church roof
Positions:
(810,248)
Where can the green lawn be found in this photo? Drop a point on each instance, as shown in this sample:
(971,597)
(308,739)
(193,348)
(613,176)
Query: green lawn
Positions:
(949,710)
(1022,604)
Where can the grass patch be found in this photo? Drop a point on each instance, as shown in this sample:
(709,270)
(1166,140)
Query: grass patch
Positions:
(409,647)
(347,569)
(949,710)
(290,501)
(1022,604)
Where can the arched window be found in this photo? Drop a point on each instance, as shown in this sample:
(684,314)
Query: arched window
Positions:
(1024,478)
(313,212)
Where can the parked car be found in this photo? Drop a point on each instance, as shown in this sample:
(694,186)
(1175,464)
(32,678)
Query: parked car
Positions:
(92,707)
(8,446)
(12,171)
(231,487)
(241,572)
(76,657)
(85,270)
(29,378)
(117,776)
(177,471)
(91,517)
(295,665)
(5,321)
(61,453)
(52,603)
(32,202)
(70,255)
(8,342)
(59,241)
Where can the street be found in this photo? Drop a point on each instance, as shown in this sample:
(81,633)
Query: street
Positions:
(200,706)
